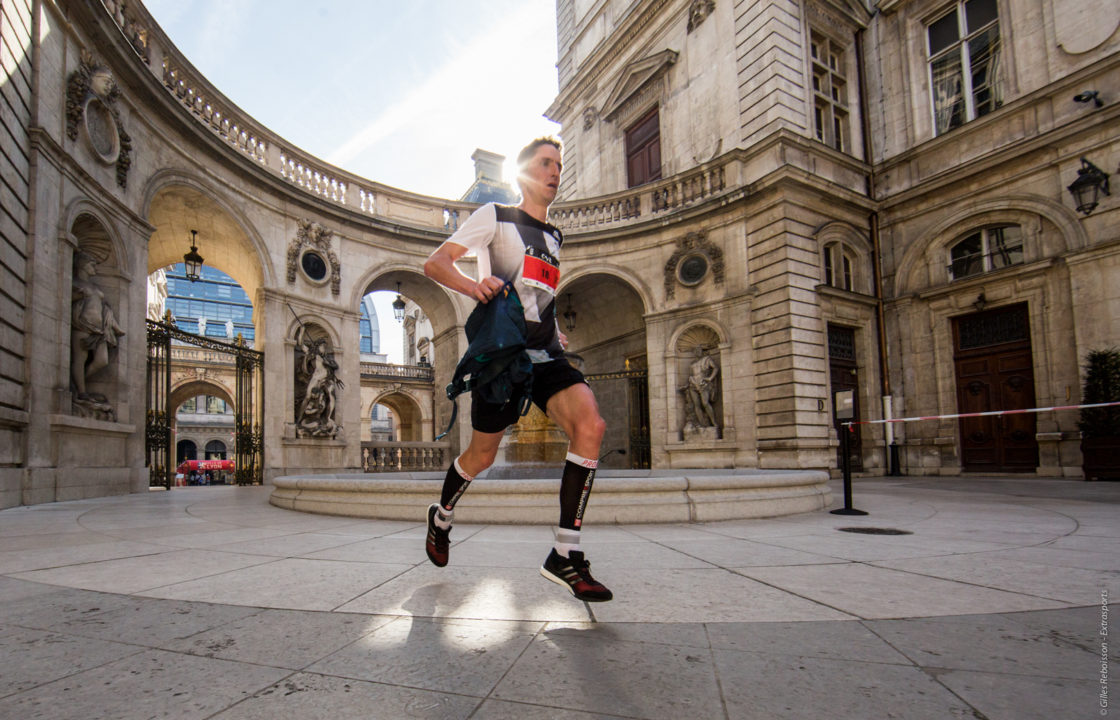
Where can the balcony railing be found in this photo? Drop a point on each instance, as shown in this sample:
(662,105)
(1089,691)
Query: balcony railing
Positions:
(275,155)
(158,55)
(388,371)
(405,456)
(647,201)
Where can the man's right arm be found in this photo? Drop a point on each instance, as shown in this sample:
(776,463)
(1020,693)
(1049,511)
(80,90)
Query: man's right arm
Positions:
(440,266)
(475,234)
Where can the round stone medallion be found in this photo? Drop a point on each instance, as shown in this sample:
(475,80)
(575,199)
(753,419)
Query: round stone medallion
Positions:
(693,269)
(101,130)
(314,266)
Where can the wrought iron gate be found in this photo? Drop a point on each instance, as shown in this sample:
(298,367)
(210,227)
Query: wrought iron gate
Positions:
(248,409)
(635,403)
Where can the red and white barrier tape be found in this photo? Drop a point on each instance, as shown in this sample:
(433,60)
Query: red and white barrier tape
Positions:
(988,413)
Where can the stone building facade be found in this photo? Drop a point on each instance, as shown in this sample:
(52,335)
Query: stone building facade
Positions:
(766,203)
(880,193)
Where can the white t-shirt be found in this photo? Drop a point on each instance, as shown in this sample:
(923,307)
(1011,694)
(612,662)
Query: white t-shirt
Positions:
(515,246)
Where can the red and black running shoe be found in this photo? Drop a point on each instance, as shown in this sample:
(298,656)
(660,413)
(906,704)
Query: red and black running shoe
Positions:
(574,573)
(438,542)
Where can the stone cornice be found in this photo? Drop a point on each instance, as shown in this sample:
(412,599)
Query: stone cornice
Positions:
(596,65)
(957,172)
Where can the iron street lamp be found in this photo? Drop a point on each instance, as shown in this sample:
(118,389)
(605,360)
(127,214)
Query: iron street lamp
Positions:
(193,260)
(398,305)
(570,315)
(1087,188)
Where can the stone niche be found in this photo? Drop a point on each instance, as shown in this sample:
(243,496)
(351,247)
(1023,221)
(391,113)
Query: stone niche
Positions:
(699,386)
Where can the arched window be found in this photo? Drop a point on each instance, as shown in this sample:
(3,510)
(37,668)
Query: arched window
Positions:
(215,450)
(839,266)
(985,250)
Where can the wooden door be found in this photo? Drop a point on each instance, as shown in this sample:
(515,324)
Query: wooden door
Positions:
(994,371)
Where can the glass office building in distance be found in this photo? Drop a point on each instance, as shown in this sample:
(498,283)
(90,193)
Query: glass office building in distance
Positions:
(214,298)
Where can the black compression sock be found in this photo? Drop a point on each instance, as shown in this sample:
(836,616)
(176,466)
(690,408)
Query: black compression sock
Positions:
(575,487)
(454,485)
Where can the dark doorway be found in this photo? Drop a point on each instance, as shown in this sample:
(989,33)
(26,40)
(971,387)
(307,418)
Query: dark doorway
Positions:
(624,399)
(843,372)
(994,371)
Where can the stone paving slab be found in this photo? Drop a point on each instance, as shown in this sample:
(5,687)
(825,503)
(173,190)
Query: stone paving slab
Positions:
(209,603)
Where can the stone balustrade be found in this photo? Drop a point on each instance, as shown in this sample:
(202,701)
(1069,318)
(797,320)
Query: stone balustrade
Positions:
(273,154)
(380,457)
(268,150)
(387,371)
(647,201)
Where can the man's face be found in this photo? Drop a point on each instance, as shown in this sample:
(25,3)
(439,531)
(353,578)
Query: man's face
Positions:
(540,177)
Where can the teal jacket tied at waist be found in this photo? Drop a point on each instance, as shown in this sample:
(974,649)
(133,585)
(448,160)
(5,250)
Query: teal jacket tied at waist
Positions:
(496,364)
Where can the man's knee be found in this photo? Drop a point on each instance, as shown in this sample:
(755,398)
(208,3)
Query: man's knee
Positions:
(590,428)
(478,457)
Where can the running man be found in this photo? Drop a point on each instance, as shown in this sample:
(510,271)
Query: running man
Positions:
(518,245)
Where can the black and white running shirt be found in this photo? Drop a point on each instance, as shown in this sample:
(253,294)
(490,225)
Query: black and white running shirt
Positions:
(515,246)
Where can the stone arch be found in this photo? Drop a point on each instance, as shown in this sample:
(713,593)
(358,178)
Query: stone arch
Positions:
(176,202)
(610,336)
(922,265)
(209,440)
(610,317)
(191,387)
(437,301)
(406,408)
(636,283)
(847,238)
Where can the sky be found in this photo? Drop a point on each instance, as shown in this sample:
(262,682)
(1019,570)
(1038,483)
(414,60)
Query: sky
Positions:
(401,93)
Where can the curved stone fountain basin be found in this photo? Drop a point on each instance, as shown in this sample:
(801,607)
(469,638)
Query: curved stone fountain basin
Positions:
(619,496)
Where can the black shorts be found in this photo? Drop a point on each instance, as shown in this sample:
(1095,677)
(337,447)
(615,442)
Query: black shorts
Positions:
(549,378)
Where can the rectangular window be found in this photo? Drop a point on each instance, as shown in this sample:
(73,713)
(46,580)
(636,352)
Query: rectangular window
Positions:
(830,92)
(964,52)
(643,150)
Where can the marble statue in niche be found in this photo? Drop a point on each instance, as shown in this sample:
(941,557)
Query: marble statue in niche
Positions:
(317,386)
(93,333)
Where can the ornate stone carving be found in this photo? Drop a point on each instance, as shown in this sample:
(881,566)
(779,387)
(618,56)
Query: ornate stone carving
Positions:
(590,115)
(314,236)
(93,333)
(693,246)
(698,12)
(91,103)
(317,385)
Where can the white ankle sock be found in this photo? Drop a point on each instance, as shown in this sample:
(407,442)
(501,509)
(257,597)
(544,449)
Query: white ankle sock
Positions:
(443,519)
(567,541)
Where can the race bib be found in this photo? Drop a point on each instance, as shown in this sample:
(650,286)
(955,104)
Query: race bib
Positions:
(541,270)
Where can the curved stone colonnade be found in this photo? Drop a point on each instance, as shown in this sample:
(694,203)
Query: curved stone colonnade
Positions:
(620,496)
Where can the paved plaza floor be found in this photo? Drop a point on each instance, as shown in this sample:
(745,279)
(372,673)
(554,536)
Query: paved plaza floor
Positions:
(207,602)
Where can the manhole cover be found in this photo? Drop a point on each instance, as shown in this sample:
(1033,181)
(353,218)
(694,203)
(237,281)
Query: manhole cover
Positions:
(875,531)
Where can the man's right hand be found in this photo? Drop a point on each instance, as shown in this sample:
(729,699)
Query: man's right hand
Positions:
(485,289)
